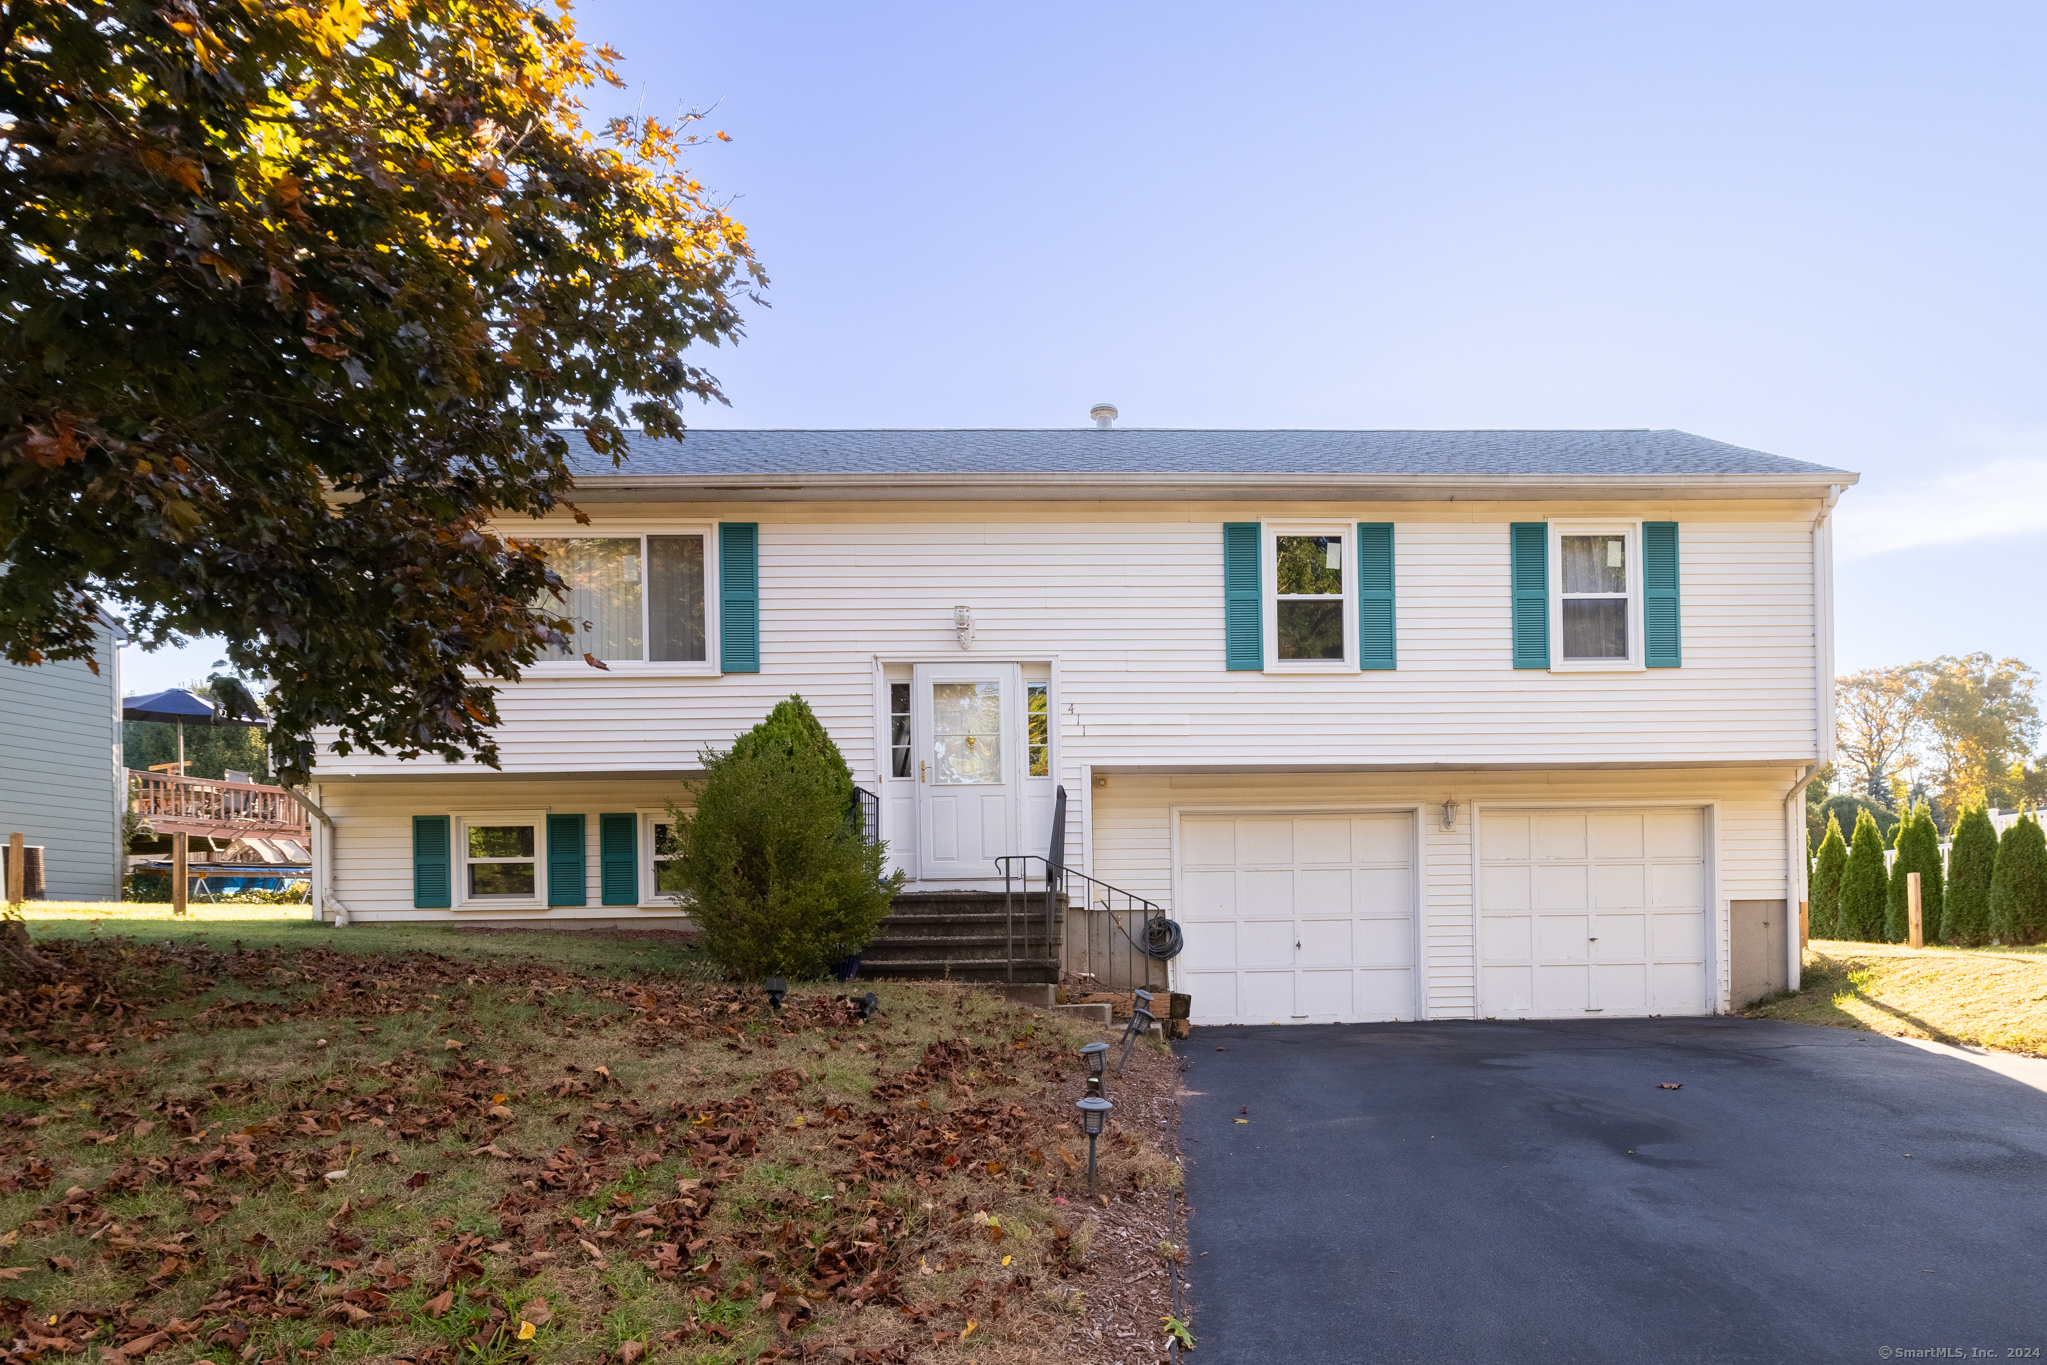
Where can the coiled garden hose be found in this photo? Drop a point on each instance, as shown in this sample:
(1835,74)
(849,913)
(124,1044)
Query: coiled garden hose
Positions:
(1162,939)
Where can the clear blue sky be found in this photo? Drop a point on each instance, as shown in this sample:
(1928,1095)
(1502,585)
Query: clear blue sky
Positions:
(1818,230)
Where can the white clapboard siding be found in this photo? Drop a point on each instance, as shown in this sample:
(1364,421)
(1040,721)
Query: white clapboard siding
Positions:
(1134,816)
(61,784)
(1127,598)
(370,855)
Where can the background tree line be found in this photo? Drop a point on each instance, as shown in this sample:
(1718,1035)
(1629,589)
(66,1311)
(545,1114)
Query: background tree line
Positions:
(1989,889)
(1951,734)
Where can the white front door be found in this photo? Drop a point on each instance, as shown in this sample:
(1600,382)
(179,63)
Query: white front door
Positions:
(969,753)
(1592,914)
(1298,918)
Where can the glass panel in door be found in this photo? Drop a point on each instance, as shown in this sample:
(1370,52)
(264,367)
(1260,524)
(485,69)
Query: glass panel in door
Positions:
(968,733)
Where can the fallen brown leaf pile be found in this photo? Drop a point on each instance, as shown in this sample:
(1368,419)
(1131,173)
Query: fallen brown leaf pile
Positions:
(273,1156)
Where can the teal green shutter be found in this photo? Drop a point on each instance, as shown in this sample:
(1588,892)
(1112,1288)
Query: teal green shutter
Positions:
(739,598)
(618,856)
(431,884)
(1243,599)
(1528,570)
(566,884)
(1660,631)
(1375,596)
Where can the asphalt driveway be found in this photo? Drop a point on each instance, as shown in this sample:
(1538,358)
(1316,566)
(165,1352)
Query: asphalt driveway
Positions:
(1519,1193)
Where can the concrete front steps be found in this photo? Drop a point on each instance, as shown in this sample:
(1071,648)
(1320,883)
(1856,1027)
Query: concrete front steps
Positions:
(963,936)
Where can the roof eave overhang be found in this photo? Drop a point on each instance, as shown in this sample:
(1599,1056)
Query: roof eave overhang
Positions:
(630,487)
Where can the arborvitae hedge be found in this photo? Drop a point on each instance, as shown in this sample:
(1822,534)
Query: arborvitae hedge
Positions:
(1864,884)
(1971,861)
(1918,851)
(1825,909)
(782,879)
(2018,885)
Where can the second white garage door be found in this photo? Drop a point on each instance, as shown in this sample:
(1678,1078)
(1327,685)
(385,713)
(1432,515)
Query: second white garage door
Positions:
(1589,914)
(1298,918)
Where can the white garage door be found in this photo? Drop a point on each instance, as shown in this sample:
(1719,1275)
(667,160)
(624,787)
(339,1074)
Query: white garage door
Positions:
(1297,918)
(1592,913)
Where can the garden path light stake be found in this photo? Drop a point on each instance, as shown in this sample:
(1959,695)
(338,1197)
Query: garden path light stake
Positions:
(1141,1020)
(1096,1055)
(1094,1115)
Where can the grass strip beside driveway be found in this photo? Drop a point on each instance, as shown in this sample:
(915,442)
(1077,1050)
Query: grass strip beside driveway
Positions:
(1992,998)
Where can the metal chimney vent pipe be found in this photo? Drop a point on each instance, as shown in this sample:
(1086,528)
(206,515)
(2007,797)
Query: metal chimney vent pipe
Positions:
(1104,415)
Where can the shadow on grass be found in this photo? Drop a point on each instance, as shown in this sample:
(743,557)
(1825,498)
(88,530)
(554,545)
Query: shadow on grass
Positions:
(1827,981)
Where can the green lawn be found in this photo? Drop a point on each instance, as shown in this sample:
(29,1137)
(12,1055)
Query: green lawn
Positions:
(1984,997)
(291,927)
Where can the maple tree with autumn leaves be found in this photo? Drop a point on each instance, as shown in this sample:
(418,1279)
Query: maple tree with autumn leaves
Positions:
(299,297)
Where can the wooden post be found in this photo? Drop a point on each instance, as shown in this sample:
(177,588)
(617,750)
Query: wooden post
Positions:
(1804,924)
(181,880)
(1918,939)
(17,869)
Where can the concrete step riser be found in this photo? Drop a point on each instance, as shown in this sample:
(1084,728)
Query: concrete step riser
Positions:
(969,936)
(1022,973)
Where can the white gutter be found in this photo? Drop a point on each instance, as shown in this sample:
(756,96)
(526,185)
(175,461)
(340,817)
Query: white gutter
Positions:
(323,859)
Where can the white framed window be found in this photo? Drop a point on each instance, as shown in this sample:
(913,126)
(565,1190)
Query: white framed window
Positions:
(660,862)
(1595,593)
(641,599)
(899,729)
(501,860)
(1038,728)
(1310,605)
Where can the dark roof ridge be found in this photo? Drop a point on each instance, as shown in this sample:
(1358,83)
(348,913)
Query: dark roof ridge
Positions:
(1195,452)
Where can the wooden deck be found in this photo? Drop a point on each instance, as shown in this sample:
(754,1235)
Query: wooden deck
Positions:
(216,810)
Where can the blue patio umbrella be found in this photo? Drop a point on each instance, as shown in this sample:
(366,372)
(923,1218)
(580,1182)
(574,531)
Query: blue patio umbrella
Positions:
(175,706)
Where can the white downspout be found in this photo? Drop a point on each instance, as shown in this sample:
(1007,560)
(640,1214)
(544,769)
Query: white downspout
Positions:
(323,859)
(1796,884)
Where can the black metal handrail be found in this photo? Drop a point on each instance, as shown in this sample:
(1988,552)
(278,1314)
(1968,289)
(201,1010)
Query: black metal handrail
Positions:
(1018,876)
(865,811)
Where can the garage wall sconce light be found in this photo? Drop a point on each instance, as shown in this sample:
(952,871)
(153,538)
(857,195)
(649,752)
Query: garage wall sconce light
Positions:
(1449,812)
(963,626)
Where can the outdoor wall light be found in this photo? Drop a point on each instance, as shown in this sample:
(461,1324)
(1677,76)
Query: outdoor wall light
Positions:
(1094,1116)
(963,626)
(870,1005)
(1449,812)
(1096,1055)
(776,988)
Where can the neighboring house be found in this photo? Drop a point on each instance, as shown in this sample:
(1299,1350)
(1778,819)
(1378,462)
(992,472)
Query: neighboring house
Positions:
(1395,724)
(62,781)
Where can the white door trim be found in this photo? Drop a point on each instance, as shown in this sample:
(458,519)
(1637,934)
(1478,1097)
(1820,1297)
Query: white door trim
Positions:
(1417,897)
(1716,987)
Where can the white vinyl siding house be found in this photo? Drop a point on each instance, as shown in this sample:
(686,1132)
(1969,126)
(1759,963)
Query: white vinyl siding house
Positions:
(62,784)
(1183,639)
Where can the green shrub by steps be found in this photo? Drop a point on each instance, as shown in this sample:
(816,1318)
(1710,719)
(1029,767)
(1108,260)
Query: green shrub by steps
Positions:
(1828,864)
(783,880)
(1971,861)
(2018,884)
(1918,851)
(1864,884)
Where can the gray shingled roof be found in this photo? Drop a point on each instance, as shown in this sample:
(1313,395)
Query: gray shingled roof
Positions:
(1167,452)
